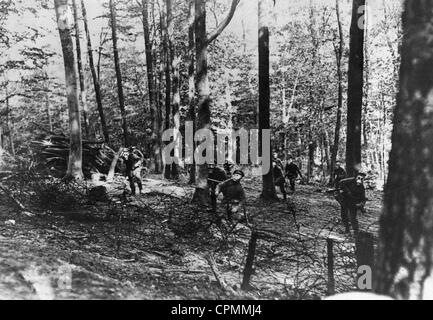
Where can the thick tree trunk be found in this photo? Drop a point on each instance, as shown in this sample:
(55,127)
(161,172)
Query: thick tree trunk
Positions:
(339,57)
(95,77)
(83,92)
(65,24)
(405,264)
(268,189)
(156,138)
(355,89)
(118,72)
(202,88)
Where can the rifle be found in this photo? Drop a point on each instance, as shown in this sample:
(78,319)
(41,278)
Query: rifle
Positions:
(332,190)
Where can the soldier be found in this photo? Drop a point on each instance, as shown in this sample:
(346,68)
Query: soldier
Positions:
(279,180)
(234,194)
(338,174)
(133,169)
(228,166)
(352,196)
(292,173)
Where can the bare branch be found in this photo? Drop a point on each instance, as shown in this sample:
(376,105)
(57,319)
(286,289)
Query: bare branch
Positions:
(224,23)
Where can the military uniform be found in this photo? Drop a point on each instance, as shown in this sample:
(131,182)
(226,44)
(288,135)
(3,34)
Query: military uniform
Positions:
(338,175)
(352,199)
(292,173)
(133,171)
(216,176)
(234,196)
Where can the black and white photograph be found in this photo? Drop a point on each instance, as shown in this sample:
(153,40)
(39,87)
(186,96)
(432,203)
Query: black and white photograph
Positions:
(249,151)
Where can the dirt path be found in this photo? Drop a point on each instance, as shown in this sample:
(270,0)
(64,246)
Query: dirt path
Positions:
(146,257)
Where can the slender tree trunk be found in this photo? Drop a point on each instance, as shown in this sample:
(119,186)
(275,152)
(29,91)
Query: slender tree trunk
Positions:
(244,38)
(112,171)
(268,190)
(83,92)
(156,138)
(48,104)
(118,72)
(355,89)
(312,144)
(2,145)
(339,57)
(95,77)
(405,264)
(168,61)
(191,81)
(64,22)
(175,104)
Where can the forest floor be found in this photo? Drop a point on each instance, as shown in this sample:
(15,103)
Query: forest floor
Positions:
(156,246)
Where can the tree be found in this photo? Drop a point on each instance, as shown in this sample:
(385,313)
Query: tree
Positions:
(120,93)
(268,190)
(355,89)
(175,101)
(339,57)
(202,41)
(95,77)
(83,93)
(156,139)
(168,52)
(191,78)
(65,24)
(405,264)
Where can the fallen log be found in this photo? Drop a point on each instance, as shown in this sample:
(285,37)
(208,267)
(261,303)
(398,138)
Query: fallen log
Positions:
(212,264)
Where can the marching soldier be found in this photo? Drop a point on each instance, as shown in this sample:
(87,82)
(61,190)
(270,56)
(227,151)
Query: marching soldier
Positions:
(234,194)
(352,199)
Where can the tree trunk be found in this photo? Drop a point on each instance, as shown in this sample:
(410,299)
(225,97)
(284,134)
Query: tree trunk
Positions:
(339,57)
(312,146)
(175,103)
(83,93)
(191,81)
(168,61)
(65,24)
(113,165)
(355,89)
(202,88)
(268,189)
(48,104)
(95,77)
(405,264)
(118,72)
(2,145)
(156,138)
